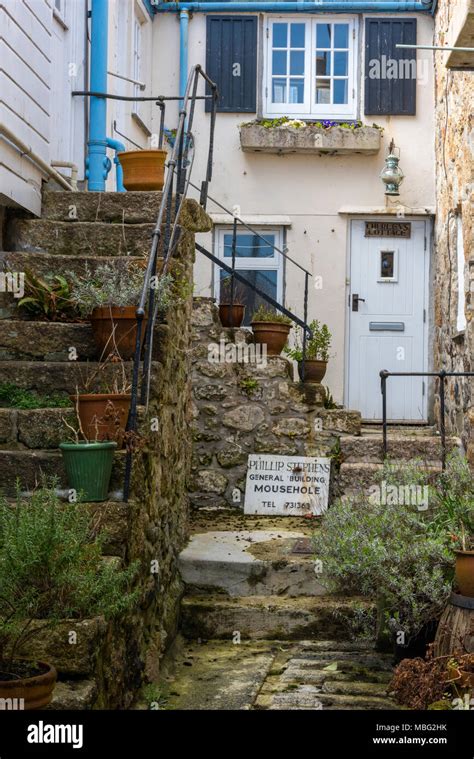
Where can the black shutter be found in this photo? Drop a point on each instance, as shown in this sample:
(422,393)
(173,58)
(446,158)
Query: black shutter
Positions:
(390,96)
(231,62)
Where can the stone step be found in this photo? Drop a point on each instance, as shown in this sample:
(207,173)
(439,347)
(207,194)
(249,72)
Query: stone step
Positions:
(26,340)
(361,476)
(117,208)
(248,563)
(28,466)
(79,238)
(46,263)
(403,447)
(49,377)
(34,428)
(267,617)
(73,695)
(310,697)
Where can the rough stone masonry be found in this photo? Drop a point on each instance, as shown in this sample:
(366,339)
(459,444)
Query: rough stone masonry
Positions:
(454,147)
(243,408)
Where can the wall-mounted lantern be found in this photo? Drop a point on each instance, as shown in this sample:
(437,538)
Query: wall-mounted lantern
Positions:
(392,176)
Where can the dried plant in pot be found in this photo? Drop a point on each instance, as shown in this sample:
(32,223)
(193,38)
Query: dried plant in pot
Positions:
(103,405)
(271,328)
(317,352)
(231,306)
(51,569)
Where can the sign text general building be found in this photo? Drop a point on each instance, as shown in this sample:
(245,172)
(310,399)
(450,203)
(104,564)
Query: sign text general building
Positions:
(287,485)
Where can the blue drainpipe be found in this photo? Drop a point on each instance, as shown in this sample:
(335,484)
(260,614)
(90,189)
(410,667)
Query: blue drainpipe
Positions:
(183,52)
(117,146)
(370,6)
(96,161)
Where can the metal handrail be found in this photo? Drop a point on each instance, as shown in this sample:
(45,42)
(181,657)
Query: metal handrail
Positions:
(307,332)
(442,375)
(261,293)
(176,167)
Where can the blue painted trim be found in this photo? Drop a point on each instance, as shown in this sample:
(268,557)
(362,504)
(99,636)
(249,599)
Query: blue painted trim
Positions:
(369,6)
(97,164)
(183,52)
(117,146)
(150,7)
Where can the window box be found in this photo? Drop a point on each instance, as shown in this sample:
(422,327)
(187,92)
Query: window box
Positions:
(310,139)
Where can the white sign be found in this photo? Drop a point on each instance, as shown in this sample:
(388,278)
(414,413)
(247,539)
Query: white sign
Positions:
(287,485)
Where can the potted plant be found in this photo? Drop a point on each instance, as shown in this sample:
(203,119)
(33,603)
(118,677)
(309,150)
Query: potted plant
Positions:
(317,352)
(453,506)
(143,170)
(231,306)
(88,460)
(271,329)
(51,569)
(103,415)
(109,298)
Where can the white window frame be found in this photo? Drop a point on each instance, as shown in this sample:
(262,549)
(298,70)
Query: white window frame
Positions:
(308,109)
(247,264)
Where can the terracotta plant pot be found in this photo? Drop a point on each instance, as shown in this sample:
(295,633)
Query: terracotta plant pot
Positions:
(231,316)
(314,370)
(36,691)
(465,572)
(103,415)
(104,319)
(143,170)
(272,334)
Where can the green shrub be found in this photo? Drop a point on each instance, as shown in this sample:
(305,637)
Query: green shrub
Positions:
(385,551)
(317,347)
(51,568)
(117,284)
(12,396)
(47,297)
(267,314)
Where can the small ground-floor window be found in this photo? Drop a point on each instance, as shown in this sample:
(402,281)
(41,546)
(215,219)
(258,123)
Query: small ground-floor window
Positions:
(257,258)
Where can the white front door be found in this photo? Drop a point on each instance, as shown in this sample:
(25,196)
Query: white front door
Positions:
(387,318)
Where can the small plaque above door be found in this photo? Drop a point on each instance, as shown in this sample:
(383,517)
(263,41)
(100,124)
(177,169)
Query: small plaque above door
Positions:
(388,229)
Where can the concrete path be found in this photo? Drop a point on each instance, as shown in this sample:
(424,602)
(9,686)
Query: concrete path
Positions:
(274,675)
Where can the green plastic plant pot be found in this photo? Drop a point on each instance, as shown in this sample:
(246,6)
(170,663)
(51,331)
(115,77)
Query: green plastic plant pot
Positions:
(89,467)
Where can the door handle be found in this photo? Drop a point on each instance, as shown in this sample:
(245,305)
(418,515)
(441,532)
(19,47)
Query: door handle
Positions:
(355,301)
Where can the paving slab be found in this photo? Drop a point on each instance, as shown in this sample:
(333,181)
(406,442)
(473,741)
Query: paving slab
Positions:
(249,563)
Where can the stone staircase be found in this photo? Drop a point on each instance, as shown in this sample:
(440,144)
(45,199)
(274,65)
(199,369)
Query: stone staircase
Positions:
(75,231)
(362,455)
(259,629)
(79,229)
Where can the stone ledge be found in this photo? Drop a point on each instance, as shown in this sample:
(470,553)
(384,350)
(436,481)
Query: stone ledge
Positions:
(317,140)
(54,645)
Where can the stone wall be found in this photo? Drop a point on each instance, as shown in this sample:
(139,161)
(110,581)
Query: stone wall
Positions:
(159,505)
(454,142)
(110,662)
(242,408)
